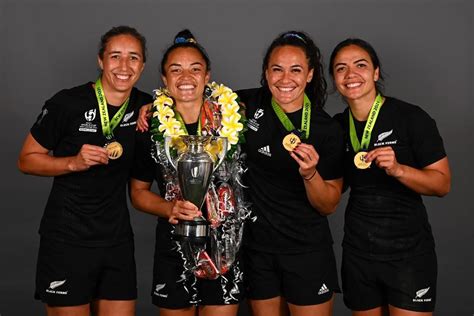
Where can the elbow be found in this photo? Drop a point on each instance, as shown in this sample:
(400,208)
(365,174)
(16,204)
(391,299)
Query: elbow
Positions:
(444,190)
(327,209)
(22,166)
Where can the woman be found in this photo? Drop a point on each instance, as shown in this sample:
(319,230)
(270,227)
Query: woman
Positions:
(189,105)
(294,153)
(395,154)
(86,256)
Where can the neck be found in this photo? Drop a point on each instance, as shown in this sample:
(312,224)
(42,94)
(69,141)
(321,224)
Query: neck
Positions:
(360,108)
(189,111)
(114,97)
(293,106)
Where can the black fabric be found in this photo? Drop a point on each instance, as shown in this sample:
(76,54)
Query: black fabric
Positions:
(384,219)
(286,222)
(69,275)
(87,208)
(408,283)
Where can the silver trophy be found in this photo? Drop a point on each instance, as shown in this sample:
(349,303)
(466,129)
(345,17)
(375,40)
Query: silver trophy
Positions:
(197,159)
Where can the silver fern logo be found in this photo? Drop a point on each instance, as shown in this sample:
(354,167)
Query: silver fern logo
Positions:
(127,116)
(56,284)
(384,135)
(422,292)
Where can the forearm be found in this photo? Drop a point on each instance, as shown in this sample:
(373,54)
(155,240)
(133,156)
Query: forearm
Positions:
(149,202)
(425,181)
(323,195)
(41,164)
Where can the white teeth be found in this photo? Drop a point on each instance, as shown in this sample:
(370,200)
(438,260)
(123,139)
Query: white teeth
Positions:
(354,85)
(285,89)
(123,77)
(186,87)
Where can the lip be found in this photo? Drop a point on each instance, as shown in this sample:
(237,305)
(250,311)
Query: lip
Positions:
(353,85)
(123,77)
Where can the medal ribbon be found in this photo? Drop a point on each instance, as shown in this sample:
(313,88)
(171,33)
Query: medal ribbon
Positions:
(183,125)
(108,126)
(305,119)
(369,125)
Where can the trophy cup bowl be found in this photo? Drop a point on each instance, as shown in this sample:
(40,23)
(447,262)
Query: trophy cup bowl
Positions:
(197,159)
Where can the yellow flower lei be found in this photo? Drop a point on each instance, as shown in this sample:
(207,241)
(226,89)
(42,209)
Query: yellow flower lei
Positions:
(164,122)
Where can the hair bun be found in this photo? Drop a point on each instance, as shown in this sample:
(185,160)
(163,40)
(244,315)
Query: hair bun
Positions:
(185,36)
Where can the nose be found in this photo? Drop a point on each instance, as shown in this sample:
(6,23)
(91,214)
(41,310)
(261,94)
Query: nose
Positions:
(350,72)
(123,63)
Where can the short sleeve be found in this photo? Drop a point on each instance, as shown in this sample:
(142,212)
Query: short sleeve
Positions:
(50,125)
(426,142)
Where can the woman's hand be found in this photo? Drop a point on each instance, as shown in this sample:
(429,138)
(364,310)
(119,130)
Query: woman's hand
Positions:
(384,158)
(307,158)
(184,210)
(88,156)
(143,117)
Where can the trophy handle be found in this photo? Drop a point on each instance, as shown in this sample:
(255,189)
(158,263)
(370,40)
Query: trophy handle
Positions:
(222,153)
(167,151)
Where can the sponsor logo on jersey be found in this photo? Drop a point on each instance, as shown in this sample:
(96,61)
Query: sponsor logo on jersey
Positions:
(419,296)
(90,115)
(252,122)
(258,114)
(323,290)
(265,150)
(54,285)
(380,139)
(158,288)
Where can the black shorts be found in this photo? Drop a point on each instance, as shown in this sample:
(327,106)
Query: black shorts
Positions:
(407,283)
(69,275)
(302,279)
(175,288)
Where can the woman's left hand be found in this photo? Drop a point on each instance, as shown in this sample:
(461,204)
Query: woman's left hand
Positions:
(384,158)
(307,158)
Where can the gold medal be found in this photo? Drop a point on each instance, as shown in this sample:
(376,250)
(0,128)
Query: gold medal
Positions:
(359,160)
(114,150)
(291,141)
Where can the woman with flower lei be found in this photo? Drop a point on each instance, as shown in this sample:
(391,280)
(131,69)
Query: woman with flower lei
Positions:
(186,276)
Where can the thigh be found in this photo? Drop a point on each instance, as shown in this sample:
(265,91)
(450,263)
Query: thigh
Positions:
(118,278)
(225,290)
(114,308)
(262,277)
(360,285)
(412,282)
(309,278)
(323,309)
(219,310)
(81,310)
(66,275)
(275,306)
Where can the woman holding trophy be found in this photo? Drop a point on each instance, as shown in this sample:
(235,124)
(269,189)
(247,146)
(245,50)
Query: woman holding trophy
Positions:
(196,263)
(294,153)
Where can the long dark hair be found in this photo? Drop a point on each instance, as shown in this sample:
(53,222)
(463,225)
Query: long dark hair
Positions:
(316,88)
(185,39)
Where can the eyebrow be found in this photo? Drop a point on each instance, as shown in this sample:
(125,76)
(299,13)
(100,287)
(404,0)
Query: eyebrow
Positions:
(193,64)
(280,66)
(120,52)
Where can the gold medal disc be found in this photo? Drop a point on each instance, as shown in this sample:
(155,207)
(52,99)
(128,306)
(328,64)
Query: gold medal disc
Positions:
(114,150)
(359,160)
(291,141)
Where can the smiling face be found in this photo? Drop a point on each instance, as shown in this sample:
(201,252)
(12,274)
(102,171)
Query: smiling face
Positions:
(287,75)
(354,74)
(186,75)
(121,64)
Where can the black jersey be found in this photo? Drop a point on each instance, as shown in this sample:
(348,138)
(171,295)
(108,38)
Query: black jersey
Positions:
(87,208)
(384,219)
(286,222)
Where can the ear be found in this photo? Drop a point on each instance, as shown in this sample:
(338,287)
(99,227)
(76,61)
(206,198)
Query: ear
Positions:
(163,78)
(100,62)
(376,74)
(310,76)
(208,77)
(266,74)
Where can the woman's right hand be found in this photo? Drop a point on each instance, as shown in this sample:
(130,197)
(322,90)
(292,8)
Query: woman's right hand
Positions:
(183,210)
(143,117)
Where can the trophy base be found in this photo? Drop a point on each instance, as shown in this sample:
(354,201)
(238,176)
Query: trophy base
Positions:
(195,232)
